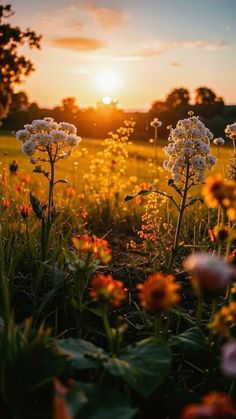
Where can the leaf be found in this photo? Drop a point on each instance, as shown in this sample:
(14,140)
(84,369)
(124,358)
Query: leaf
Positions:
(142,192)
(83,354)
(194,200)
(62,181)
(100,402)
(192,340)
(36,205)
(144,366)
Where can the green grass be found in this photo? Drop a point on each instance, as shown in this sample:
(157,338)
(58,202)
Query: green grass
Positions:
(139,153)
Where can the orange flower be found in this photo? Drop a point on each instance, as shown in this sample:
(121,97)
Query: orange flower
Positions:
(70,192)
(6,204)
(25,210)
(159,292)
(98,247)
(219,234)
(215,405)
(108,290)
(218,191)
(60,409)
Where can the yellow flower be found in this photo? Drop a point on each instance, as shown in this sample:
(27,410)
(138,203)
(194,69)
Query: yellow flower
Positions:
(223,320)
(221,192)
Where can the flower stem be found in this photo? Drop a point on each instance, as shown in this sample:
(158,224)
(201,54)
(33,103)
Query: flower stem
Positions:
(107,328)
(199,310)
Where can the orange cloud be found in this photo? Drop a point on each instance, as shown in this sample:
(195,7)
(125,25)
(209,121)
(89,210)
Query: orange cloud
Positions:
(79,43)
(107,17)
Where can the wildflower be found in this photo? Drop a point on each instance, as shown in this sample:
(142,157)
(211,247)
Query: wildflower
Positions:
(228,359)
(60,409)
(218,191)
(156,123)
(70,192)
(189,146)
(210,274)
(25,210)
(230,131)
(5,204)
(159,293)
(46,135)
(219,234)
(108,290)
(219,141)
(98,247)
(215,405)
(223,320)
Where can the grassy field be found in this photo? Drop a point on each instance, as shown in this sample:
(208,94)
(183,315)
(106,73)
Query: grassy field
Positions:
(139,154)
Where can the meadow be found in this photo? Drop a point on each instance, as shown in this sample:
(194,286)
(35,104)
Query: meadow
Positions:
(117,291)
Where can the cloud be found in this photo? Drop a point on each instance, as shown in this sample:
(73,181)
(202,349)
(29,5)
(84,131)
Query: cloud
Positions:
(175,64)
(79,43)
(106,17)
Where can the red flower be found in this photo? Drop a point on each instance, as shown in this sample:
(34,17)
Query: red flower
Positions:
(108,290)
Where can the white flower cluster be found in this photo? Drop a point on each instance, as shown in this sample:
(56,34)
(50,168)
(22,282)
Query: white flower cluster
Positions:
(46,135)
(219,141)
(156,123)
(189,146)
(230,131)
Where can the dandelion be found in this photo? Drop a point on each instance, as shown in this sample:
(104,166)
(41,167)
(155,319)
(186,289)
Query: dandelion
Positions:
(223,321)
(228,359)
(108,290)
(215,405)
(210,274)
(159,293)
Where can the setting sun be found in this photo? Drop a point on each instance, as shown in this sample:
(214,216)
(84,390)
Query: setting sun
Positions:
(107,81)
(106,100)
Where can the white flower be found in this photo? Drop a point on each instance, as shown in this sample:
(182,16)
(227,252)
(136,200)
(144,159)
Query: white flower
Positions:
(219,141)
(68,128)
(58,136)
(210,273)
(73,140)
(228,359)
(156,123)
(230,131)
(28,148)
(190,140)
(22,135)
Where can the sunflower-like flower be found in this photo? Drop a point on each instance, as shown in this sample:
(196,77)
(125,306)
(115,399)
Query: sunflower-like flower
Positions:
(218,191)
(159,293)
(108,290)
(223,321)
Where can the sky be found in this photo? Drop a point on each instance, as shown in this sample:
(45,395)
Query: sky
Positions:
(134,51)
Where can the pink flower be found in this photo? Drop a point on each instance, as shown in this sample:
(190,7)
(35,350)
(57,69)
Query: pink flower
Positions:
(228,359)
(210,274)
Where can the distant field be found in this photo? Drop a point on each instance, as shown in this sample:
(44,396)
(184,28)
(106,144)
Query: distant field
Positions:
(139,153)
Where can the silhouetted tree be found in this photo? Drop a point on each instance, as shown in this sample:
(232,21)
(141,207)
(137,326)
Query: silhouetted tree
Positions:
(207,103)
(19,101)
(14,66)
(177,97)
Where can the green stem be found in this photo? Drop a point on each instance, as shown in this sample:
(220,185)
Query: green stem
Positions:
(157,325)
(107,328)
(180,217)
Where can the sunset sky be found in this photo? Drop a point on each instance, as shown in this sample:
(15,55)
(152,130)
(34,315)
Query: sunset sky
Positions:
(134,51)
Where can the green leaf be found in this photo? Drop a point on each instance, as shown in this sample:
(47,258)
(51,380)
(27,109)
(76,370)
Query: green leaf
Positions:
(144,366)
(100,402)
(62,181)
(82,354)
(36,205)
(142,192)
(192,340)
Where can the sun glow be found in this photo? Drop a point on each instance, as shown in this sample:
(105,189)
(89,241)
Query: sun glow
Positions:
(107,81)
(106,100)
